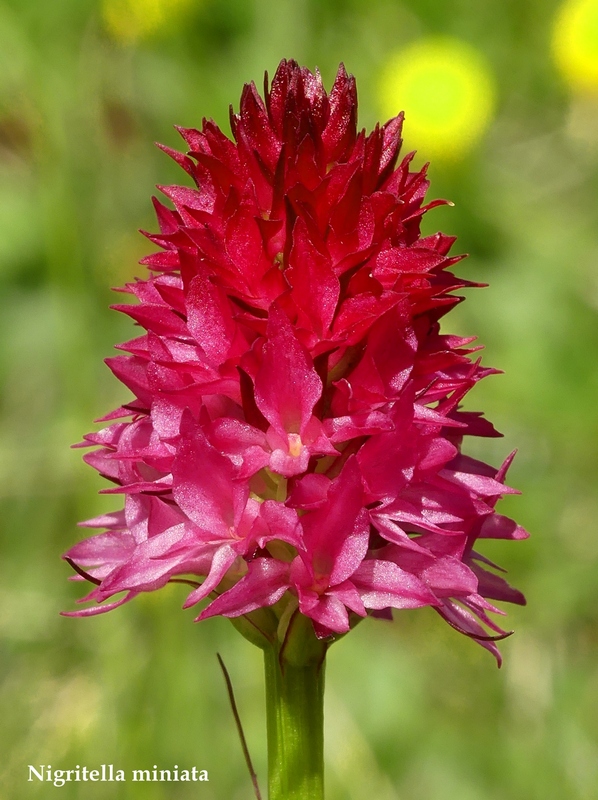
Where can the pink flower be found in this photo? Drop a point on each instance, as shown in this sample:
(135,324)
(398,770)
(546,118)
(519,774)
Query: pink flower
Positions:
(294,436)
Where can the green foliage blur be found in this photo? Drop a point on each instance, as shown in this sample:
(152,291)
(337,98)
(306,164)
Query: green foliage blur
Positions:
(414,710)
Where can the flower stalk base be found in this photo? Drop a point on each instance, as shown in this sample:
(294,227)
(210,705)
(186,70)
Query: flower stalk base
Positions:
(295,723)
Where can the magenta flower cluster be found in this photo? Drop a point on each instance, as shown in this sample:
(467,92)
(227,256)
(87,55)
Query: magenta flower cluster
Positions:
(294,436)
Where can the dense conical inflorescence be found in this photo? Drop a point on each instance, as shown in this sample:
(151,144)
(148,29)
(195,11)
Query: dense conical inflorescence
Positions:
(294,436)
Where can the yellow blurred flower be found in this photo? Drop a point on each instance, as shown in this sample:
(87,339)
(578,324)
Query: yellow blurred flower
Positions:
(575,43)
(128,21)
(447,92)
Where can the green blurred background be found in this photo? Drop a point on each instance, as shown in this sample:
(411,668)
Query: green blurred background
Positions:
(415,711)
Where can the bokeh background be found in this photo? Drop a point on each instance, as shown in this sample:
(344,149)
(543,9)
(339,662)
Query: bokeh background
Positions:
(502,97)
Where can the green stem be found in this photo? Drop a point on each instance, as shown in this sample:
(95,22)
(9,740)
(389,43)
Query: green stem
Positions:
(295,716)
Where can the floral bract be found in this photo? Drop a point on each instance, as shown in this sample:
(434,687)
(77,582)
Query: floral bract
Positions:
(294,437)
